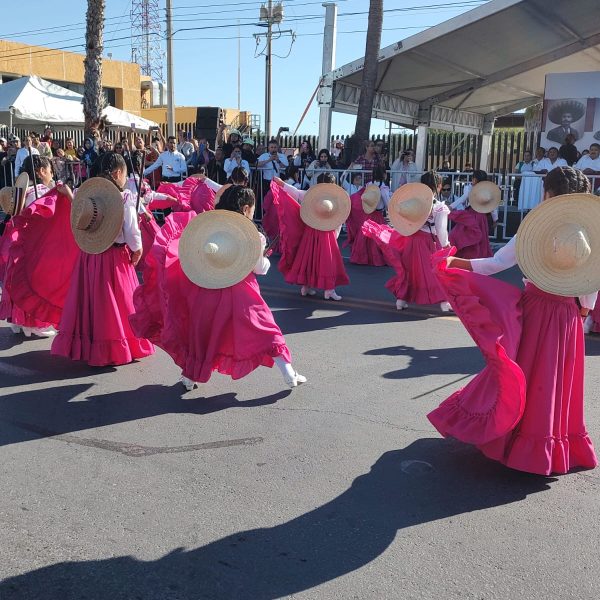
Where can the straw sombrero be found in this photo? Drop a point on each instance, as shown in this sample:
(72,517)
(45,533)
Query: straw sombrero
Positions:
(558,245)
(219,248)
(409,207)
(484,197)
(97,215)
(577,110)
(12,199)
(370,198)
(325,206)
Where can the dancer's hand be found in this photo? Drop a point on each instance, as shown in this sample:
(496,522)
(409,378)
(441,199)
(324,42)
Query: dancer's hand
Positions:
(135,257)
(65,190)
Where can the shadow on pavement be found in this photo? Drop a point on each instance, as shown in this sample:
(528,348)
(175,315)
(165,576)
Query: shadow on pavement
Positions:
(429,480)
(592,344)
(435,361)
(48,412)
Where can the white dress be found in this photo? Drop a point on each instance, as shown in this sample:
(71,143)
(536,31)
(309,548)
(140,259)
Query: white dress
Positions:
(530,191)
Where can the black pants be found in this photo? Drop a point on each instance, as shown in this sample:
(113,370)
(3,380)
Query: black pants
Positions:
(176,179)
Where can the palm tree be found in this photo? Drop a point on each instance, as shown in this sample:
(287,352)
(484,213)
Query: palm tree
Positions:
(369,79)
(93,98)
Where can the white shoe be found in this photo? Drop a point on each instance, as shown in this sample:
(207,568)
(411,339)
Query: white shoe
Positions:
(587,324)
(15,328)
(295,380)
(307,291)
(331,295)
(187,383)
(445,307)
(39,332)
(401,304)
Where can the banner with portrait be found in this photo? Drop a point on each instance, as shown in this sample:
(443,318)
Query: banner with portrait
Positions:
(571,107)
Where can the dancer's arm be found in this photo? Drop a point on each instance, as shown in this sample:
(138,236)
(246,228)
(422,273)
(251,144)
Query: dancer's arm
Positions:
(504,259)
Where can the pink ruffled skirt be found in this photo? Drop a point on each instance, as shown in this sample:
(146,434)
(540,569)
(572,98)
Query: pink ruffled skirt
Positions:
(95,322)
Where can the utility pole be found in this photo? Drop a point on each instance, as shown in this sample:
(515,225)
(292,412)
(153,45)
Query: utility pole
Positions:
(270,14)
(326,84)
(170,86)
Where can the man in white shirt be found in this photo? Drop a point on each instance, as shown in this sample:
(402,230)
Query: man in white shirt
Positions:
(235,160)
(272,163)
(590,163)
(23,153)
(550,162)
(172,162)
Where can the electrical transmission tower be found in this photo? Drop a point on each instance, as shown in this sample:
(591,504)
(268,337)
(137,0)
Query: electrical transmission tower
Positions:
(146,36)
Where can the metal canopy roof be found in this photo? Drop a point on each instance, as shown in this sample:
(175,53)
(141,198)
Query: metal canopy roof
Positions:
(484,63)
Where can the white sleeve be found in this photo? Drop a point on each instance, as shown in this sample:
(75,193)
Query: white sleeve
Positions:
(495,215)
(284,160)
(213,185)
(297,160)
(157,163)
(504,259)
(131,229)
(461,202)
(295,193)
(227,167)
(588,301)
(440,218)
(385,195)
(263,263)
(18,163)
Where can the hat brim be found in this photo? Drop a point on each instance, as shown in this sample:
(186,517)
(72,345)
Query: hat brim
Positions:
(485,197)
(369,205)
(110,205)
(315,195)
(20,193)
(536,231)
(200,230)
(410,191)
(577,110)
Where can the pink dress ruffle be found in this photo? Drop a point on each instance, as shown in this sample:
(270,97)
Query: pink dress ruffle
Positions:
(410,256)
(470,234)
(364,250)
(95,322)
(183,193)
(270,221)
(43,255)
(149,230)
(308,256)
(202,198)
(230,330)
(543,431)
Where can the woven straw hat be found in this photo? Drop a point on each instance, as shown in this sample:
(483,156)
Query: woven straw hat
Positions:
(97,215)
(370,198)
(577,110)
(558,245)
(484,197)
(409,207)
(12,199)
(219,248)
(325,207)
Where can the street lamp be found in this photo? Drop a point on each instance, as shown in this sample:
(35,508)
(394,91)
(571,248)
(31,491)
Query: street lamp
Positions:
(11,112)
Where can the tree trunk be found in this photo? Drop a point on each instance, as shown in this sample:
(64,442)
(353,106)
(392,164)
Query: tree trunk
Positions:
(93,98)
(369,79)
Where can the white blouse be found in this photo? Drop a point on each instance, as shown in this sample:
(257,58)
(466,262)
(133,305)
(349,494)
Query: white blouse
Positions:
(263,264)
(130,234)
(506,258)
(438,222)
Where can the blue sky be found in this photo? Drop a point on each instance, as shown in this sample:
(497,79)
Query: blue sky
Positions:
(206,59)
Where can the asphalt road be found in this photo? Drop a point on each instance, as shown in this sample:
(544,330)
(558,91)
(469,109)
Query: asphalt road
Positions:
(118,484)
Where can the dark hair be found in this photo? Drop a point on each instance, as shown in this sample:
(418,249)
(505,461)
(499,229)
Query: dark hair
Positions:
(379,174)
(480,175)
(310,148)
(595,145)
(326,178)
(566,180)
(172,137)
(235,198)
(432,180)
(291,171)
(326,152)
(39,162)
(106,164)
(239,176)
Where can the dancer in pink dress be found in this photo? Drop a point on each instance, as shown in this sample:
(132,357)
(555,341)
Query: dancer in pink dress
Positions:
(470,233)
(369,202)
(39,170)
(42,255)
(310,223)
(200,301)
(421,224)
(525,409)
(94,326)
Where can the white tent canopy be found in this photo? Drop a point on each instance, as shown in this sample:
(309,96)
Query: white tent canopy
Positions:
(487,62)
(35,101)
